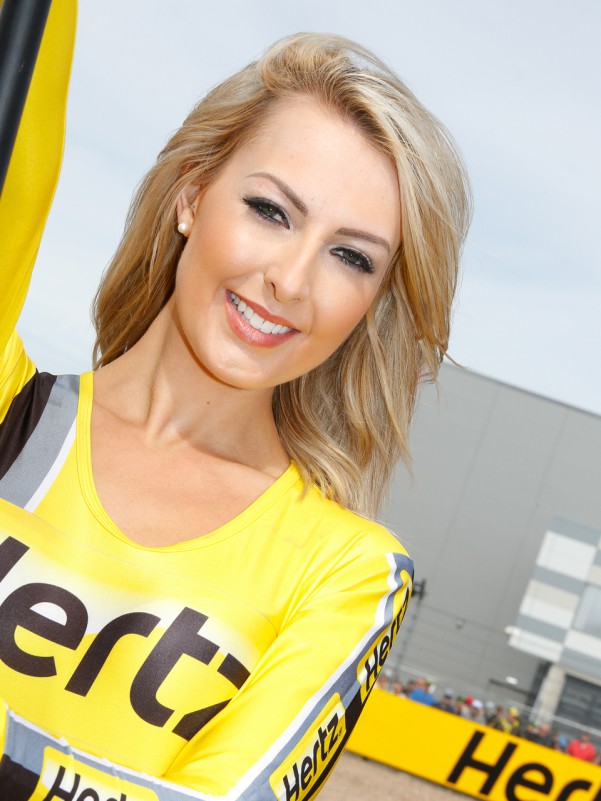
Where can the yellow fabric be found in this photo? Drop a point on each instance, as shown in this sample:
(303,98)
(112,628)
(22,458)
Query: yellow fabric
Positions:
(236,663)
(293,590)
(116,648)
(35,163)
(31,181)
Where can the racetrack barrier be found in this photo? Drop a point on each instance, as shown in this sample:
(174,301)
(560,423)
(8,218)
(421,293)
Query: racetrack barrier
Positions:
(468,757)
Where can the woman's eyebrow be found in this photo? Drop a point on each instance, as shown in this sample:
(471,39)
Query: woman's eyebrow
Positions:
(285,189)
(377,240)
(298,203)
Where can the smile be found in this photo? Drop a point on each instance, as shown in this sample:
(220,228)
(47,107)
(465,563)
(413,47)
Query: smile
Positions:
(255,320)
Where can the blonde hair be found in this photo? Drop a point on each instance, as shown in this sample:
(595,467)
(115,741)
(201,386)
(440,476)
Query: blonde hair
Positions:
(346,422)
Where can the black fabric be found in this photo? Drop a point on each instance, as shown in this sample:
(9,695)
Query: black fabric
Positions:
(22,418)
(16,782)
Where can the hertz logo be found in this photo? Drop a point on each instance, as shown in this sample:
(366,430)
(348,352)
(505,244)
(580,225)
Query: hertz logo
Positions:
(67,779)
(370,668)
(182,638)
(313,757)
(529,776)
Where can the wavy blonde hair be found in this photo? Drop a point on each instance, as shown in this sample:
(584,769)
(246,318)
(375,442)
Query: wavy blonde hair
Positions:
(346,422)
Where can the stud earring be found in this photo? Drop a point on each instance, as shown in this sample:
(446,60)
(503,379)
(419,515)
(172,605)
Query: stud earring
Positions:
(183,228)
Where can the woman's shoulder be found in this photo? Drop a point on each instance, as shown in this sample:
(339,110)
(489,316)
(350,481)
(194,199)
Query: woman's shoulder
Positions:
(341,529)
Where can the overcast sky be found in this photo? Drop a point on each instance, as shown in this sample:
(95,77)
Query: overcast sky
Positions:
(517,82)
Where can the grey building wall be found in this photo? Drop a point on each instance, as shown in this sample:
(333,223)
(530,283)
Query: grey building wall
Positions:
(493,465)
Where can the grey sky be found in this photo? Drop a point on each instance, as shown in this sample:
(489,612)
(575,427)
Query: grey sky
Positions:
(518,84)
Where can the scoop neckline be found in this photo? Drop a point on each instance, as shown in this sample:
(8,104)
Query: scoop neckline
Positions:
(254,510)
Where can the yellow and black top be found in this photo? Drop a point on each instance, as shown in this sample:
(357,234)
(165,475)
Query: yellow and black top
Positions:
(231,666)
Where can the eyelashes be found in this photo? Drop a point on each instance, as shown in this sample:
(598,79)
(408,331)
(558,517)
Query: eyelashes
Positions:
(268,210)
(354,259)
(272,213)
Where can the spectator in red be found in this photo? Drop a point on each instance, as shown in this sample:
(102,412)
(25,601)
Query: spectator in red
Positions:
(583,748)
(464,705)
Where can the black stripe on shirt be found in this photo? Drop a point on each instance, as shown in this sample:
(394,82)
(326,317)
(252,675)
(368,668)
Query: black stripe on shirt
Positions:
(16,782)
(22,418)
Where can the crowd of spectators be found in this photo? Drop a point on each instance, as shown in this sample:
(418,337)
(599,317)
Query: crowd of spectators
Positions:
(508,720)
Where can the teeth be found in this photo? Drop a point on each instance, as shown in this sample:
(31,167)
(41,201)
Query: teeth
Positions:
(255,319)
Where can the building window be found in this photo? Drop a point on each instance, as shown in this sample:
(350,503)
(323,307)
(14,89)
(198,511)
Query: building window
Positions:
(588,615)
(580,703)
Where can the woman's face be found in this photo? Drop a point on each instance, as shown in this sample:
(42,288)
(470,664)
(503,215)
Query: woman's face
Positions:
(287,247)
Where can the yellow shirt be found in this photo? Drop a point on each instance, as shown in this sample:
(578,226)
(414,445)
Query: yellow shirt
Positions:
(217,663)
(233,665)
(236,662)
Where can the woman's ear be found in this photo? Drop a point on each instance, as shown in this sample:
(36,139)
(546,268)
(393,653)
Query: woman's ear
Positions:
(186,209)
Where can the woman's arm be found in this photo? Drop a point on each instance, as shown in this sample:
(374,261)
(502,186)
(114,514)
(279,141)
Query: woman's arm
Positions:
(35,164)
(29,189)
(281,734)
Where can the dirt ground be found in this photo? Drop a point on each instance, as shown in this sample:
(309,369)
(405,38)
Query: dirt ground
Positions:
(359,779)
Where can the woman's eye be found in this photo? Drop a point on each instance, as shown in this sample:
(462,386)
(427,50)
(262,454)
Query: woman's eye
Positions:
(267,210)
(354,259)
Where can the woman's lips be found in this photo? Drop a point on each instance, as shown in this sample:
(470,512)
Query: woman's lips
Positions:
(254,324)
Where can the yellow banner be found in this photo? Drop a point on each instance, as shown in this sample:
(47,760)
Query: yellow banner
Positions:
(467,757)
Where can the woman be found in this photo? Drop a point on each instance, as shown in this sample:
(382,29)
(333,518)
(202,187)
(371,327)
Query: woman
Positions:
(195,601)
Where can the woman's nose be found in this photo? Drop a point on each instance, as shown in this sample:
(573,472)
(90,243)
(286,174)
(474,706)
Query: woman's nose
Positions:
(290,275)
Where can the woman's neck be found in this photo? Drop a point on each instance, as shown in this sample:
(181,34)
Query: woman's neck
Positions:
(161,389)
